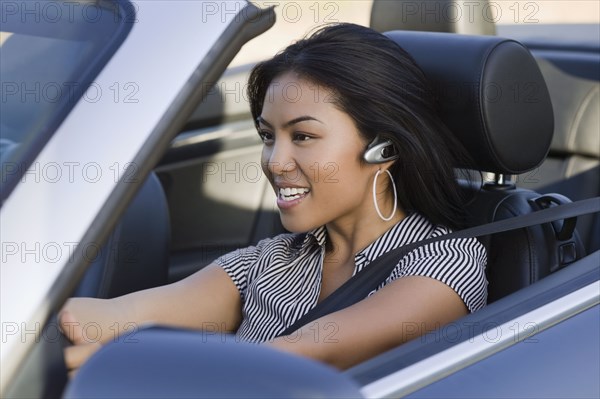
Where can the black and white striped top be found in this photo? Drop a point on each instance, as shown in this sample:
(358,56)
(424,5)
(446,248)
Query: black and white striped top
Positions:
(279,279)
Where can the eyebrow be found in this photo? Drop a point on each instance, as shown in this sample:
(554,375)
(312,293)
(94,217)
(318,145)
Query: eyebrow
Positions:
(299,119)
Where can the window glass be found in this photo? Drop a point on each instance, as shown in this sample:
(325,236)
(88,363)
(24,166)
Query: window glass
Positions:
(50,53)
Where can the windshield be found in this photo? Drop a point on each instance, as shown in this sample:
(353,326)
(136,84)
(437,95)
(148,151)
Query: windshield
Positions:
(50,53)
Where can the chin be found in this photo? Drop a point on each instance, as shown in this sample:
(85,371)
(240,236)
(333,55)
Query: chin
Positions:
(295,225)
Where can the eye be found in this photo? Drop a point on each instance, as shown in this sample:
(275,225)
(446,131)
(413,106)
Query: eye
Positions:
(301,137)
(266,136)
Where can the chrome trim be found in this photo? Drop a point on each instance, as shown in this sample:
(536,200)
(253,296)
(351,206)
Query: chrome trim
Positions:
(240,129)
(451,360)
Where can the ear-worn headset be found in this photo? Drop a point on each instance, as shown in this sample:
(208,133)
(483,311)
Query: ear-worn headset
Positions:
(380,151)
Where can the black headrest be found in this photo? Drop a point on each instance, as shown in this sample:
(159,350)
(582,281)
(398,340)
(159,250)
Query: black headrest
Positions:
(474,18)
(492,96)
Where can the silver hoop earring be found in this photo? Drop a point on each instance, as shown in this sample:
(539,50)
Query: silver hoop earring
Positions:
(375,196)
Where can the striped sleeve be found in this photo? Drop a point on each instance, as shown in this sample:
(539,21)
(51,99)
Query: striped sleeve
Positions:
(458,263)
(238,263)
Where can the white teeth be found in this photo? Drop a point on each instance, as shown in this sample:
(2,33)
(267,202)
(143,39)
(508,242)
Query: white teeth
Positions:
(292,193)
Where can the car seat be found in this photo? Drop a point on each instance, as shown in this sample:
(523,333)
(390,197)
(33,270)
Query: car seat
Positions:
(135,255)
(571,73)
(572,167)
(433,16)
(472,77)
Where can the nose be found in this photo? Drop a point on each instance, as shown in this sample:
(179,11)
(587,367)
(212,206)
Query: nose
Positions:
(278,159)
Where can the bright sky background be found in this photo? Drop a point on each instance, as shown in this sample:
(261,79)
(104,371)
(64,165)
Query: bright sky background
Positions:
(296,18)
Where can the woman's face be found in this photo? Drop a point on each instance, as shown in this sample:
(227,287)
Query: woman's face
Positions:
(311,156)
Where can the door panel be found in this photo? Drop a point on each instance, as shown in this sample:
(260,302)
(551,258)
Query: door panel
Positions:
(219,199)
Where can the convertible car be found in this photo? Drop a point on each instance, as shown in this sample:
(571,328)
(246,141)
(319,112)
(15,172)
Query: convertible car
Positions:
(123,136)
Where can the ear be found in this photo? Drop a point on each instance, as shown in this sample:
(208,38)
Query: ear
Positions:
(387,165)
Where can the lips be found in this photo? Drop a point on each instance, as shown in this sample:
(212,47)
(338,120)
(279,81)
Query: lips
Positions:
(288,197)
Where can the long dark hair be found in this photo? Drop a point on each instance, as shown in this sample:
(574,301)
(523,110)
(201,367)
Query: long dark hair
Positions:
(382,89)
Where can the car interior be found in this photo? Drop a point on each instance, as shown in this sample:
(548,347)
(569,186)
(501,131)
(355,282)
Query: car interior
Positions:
(197,218)
(475,85)
(526,111)
(570,67)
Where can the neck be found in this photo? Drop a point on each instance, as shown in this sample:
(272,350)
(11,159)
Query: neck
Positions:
(349,236)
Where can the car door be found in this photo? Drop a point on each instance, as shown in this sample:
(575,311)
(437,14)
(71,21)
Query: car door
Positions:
(103,147)
(218,197)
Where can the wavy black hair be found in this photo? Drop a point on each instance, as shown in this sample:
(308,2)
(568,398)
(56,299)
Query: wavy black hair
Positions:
(380,86)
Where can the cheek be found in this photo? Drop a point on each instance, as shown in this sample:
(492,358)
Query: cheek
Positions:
(326,164)
(345,178)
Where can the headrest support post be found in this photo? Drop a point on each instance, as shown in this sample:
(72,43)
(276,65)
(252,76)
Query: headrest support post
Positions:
(501,179)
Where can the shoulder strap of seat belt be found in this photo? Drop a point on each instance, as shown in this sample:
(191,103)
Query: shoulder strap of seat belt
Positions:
(362,283)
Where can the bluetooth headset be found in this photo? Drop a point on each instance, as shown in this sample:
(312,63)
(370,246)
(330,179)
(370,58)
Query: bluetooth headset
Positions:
(380,151)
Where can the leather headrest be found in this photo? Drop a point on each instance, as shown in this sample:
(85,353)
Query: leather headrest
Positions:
(472,18)
(491,95)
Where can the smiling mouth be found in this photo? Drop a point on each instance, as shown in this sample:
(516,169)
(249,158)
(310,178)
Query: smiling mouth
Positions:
(292,193)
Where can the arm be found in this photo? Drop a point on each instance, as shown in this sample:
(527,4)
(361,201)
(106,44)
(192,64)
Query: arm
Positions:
(402,310)
(207,299)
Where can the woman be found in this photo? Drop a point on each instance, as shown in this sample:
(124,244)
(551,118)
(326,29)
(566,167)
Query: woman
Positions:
(360,164)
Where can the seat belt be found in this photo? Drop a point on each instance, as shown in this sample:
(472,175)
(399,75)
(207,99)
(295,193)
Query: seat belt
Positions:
(368,279)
